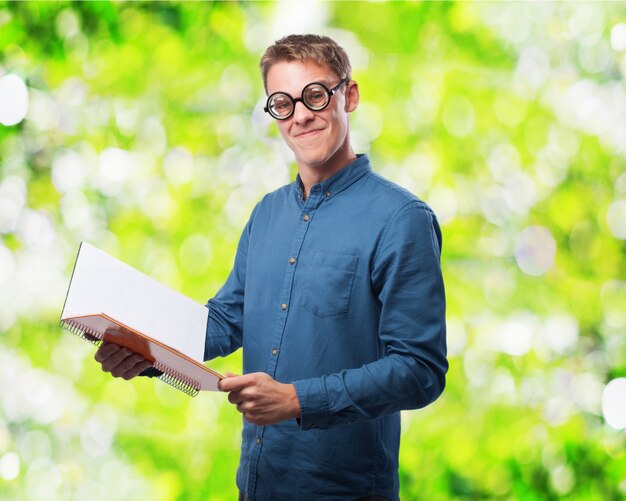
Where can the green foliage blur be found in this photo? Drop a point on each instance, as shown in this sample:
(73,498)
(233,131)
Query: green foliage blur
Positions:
(145,136)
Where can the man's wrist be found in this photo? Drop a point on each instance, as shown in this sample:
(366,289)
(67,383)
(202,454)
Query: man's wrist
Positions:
(294,403)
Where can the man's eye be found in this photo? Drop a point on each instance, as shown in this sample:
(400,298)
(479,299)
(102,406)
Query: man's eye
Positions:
(315,95)
(280,103)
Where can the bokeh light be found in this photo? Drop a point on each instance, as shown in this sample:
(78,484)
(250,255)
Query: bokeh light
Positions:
(9,466)
(614,403)
(13,100)
(616,218)
(536,250)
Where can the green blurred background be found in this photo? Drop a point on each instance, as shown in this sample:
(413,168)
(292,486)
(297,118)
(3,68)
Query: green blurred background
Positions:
(139,128)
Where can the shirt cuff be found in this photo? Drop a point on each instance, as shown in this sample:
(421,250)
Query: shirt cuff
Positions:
(313,403)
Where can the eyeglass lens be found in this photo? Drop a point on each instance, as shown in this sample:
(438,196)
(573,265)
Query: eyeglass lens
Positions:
(314,96)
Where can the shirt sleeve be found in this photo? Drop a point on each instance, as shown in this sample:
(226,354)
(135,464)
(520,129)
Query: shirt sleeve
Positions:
(407,280)
(224,333)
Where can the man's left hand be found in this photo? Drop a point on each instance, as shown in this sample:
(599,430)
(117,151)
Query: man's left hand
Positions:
(261,399)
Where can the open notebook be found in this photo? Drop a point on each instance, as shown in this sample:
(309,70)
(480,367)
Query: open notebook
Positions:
(108,300)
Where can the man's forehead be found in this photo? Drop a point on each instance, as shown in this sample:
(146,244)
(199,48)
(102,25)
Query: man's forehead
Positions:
(292,76)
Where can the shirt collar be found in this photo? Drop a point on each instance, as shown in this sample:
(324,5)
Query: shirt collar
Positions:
(341,180)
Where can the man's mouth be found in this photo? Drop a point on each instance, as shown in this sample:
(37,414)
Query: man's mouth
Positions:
(308,133)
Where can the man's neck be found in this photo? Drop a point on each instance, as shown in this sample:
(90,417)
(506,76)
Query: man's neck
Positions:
(312,175)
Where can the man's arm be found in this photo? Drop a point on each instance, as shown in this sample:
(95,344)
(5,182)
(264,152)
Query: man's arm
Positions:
(406,277)
(224,333)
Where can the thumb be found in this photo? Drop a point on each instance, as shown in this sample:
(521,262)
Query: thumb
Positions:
(227,375)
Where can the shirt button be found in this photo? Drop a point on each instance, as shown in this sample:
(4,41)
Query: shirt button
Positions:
(306,217)
(292,260)
(258,440)
(327,194)
(283,306)
(274,351)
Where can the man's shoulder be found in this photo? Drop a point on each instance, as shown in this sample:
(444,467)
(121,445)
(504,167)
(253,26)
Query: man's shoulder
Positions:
(273,201)
(280,193)
(391,194)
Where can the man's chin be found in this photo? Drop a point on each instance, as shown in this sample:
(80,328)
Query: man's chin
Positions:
(316,163)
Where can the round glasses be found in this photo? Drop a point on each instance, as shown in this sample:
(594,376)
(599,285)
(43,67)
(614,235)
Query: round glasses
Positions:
(315,96)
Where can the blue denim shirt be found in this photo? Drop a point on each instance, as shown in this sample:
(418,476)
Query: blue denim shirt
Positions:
(342,295)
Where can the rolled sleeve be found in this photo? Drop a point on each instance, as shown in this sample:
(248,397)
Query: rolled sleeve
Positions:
(313,400)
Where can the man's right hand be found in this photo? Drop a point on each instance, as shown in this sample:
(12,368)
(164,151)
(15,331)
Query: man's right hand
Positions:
(120,362)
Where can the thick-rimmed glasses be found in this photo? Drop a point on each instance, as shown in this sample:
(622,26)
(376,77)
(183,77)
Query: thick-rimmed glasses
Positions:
(315,96)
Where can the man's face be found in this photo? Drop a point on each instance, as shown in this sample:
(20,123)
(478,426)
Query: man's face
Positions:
(319,139)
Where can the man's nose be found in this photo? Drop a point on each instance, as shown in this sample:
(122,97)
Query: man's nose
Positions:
(301,114)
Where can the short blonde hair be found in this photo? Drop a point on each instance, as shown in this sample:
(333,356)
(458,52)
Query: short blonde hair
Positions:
(303,48)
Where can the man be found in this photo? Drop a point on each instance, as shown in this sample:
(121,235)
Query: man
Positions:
(336,296)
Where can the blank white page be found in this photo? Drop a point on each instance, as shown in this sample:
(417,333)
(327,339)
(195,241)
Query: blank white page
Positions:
(102,284)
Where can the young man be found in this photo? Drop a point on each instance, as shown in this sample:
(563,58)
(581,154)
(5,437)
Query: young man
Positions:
(336,296)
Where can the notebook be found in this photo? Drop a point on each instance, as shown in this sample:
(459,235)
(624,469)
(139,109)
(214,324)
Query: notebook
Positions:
(108,300)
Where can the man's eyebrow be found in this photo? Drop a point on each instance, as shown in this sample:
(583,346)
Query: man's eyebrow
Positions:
(324,81)
(328,82)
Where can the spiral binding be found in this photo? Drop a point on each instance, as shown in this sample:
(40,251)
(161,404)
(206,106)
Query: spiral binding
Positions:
(182,383)
(82,332)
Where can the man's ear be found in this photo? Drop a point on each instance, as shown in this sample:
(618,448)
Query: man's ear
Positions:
(352,96)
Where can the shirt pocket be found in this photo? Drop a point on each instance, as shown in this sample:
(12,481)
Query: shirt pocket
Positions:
(328,287)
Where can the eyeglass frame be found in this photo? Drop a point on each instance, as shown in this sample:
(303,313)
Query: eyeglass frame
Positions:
(300,99)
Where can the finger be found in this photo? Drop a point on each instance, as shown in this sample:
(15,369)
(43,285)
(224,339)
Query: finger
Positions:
(238,382)
(226,375)
(115,358)
(127,364)
(242,408)
(105,351)
(119,357)
(136,370)
(235,397)
(252,419)
(232,383)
